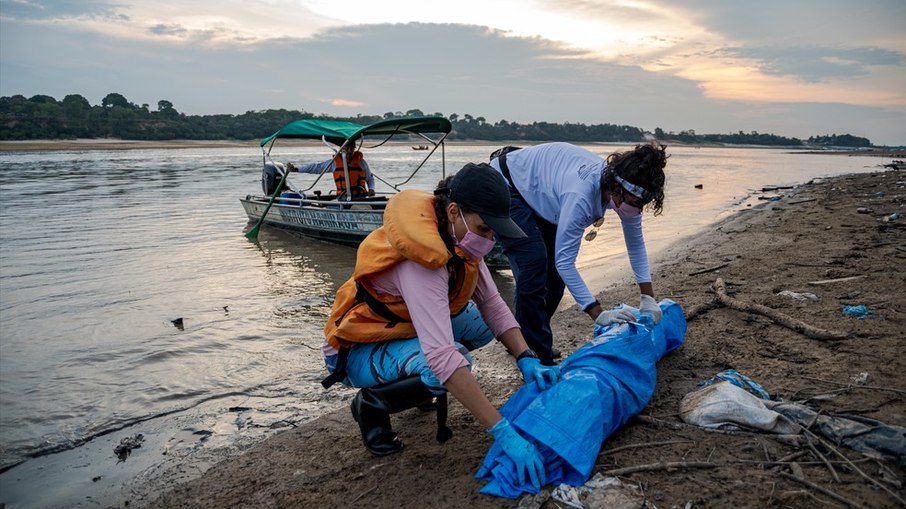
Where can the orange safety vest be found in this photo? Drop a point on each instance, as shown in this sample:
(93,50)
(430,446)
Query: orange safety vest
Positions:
(362,315)
(356,175)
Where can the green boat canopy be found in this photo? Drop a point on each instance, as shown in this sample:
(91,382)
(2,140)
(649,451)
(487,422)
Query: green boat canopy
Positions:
(337,131)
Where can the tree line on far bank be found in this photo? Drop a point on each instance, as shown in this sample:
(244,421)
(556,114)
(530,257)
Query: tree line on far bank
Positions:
(43,117)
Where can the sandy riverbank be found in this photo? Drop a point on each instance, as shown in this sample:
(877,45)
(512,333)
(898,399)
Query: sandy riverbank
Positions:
(818,234)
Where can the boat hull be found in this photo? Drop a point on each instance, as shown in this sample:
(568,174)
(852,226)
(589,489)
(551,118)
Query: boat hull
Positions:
(342,223)
(333,222)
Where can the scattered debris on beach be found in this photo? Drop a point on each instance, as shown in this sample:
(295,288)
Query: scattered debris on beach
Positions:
(126,445)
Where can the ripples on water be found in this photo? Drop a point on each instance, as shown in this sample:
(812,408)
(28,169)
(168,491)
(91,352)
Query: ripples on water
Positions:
(102,249)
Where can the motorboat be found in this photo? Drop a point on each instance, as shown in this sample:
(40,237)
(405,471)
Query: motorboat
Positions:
(344,217)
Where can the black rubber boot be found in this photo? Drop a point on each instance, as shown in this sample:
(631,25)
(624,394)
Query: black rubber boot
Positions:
(372,407)
(373,415)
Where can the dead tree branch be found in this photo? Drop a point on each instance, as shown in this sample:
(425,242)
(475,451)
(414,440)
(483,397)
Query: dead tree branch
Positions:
(776,316)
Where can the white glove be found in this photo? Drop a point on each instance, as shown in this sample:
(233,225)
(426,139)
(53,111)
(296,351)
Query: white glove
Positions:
(648,305)
(615,316)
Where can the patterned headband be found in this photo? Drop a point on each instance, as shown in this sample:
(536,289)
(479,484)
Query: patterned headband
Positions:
(637,191)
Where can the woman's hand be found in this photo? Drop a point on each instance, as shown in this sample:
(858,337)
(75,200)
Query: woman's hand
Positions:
(615,316)
(647,304)
(533,371)
(529,467)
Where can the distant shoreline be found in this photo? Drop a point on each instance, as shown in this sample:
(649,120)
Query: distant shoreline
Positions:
(118,144)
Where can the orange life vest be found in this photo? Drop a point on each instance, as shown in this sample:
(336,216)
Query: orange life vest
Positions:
(356,175)
(362,315)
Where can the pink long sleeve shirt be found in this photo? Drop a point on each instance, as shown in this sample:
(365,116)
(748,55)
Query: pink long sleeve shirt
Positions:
(425,292)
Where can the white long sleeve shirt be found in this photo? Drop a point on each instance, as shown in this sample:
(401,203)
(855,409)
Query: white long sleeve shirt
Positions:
(562,184)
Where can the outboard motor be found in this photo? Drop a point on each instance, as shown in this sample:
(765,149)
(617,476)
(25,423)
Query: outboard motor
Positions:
(270,178)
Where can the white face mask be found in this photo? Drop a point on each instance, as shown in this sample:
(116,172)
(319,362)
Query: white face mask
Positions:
(625,210)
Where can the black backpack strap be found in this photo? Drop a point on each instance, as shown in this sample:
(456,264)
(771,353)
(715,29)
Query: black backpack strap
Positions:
(340,372)
(501,151)
(500,154)
(361,295)
(377,306)
(444,433)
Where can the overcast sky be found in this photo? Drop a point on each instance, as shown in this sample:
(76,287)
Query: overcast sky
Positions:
(790,67)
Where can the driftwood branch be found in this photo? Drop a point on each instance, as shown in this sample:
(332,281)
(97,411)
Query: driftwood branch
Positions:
(855,386)
(709,269)
(821,457)
(777,463)
(853,466)
(646,444)
(701,309)
(776,316)
(835,496)
(838,280)
(654,467)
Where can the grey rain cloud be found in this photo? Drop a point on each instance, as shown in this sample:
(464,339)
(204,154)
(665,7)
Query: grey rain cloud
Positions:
(446,68)
(161,29)
(824,23)
(56,9)
(818,64)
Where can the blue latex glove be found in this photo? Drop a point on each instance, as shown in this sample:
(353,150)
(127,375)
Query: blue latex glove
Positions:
(648,305)
(529,467)
(533,371)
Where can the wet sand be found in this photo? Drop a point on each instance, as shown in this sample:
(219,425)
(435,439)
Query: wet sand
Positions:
(829,230)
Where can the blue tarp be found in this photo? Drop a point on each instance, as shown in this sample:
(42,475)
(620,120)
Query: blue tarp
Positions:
(603,384)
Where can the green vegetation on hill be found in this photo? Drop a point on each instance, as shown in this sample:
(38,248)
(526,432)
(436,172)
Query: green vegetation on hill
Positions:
(43,117)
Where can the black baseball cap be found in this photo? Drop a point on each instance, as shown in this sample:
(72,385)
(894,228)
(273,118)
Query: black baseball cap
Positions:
(483,190)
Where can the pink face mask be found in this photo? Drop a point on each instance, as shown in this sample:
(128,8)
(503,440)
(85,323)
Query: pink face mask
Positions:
(625,210)
(473,244)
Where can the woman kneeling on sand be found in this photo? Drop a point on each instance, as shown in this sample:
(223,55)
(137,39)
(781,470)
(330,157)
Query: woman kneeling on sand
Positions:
(419,300)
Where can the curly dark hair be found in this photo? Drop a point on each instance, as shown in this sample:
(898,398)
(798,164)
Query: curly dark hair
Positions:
(642,166)
(441,200)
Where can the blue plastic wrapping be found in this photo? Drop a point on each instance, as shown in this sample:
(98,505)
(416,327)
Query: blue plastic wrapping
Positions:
(861,312)
(603,384)
(739,380)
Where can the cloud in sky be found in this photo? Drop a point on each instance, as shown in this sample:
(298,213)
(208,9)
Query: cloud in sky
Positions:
(788,68)
(818,64)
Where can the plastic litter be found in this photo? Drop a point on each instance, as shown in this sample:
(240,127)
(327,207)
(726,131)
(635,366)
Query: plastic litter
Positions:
(798,295)
(723,405)
(872,438)
(603,384)
(600,492)
(861,311)
(739,380)
(568,495)
(126,445)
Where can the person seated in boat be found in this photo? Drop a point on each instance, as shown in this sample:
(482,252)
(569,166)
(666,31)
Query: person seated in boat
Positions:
(419,300)
(360,178)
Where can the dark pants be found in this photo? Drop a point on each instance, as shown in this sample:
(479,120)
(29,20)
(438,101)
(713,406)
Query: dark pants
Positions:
(539,287)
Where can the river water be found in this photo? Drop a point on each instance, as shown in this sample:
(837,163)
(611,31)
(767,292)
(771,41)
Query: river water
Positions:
(101,250)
